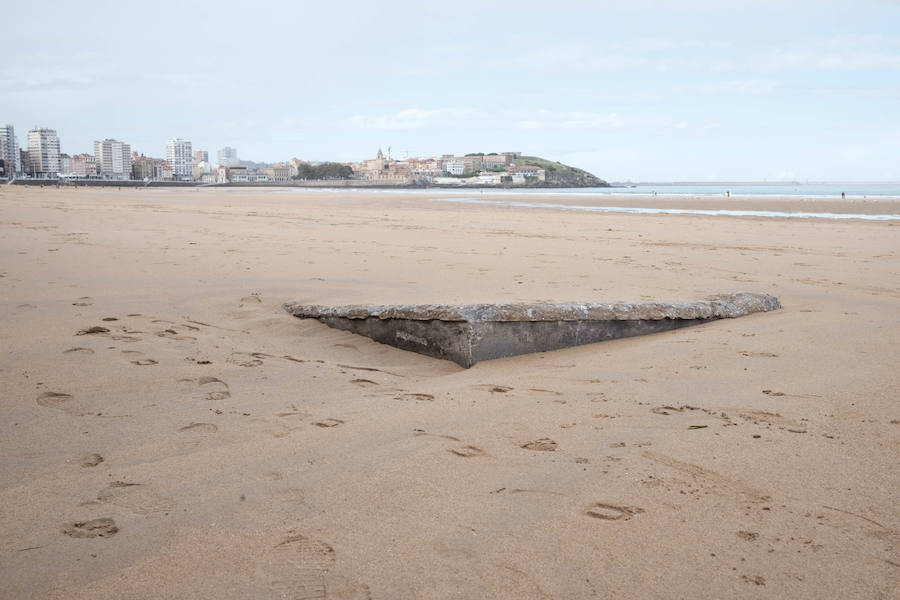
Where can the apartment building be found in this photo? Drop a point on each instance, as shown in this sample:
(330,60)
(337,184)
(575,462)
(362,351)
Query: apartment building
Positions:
(473,164)
(145,168)
(43,152)
(496,161)
(83,165)
(9,148)
(454,166)
(113,159)
(228,157)
(180,159)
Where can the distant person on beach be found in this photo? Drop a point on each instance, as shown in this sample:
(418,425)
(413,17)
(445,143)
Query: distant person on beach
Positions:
(843,196)
(728,194)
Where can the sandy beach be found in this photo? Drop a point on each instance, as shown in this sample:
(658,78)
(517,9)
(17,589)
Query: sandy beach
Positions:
(205,444)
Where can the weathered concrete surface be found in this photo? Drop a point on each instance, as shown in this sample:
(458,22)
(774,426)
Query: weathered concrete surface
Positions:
(469,333)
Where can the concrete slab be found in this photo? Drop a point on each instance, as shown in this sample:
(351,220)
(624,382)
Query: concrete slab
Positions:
(470,333)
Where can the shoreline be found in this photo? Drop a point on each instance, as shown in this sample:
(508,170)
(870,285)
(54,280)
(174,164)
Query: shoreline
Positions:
(791,206)
(312,184)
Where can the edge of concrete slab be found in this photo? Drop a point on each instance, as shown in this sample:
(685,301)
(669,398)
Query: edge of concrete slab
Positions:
(470,333)
(719,306)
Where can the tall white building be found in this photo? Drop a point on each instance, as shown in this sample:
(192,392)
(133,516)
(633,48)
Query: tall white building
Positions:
(43,152)
(228,157)
(113,159)
(454,166)
(9,148)
(180,159)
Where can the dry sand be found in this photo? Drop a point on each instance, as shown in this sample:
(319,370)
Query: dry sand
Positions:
(211,446)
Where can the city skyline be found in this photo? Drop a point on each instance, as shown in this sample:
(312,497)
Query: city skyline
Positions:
(114,160)
(184,161)
(699,90)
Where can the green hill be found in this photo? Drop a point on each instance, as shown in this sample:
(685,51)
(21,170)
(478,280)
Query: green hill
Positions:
(560,175)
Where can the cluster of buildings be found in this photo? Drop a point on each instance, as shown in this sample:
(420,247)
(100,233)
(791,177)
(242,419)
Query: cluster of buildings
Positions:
(114,160)
(41,158)
(478,169)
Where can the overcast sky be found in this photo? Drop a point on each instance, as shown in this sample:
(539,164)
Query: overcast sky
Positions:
(655,90)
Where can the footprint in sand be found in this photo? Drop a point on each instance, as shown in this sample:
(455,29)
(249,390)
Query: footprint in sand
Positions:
(543,391)
(200,428)
(541,445)
(468,451)
(96,329)
(296,567)
(666,410)
(144,362)
(56,400)
(242,359)
(83,301)
(420,432)
(109,319)
(328,423)
(126,338)
(416,397)
(611,512)
(251,299)
(174,335)
(78,351)
(135,497)
(91,460)
(758,417)
(103,527)
(216,388)
(363,382)
(494,389)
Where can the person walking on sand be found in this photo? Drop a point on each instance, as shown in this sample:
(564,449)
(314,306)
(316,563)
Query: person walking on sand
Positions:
(843,196)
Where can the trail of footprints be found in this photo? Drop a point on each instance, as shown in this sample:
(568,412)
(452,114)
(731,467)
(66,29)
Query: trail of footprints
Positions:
(598,510)
(299,563)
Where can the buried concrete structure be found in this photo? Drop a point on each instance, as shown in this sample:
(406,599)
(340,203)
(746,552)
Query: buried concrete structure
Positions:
(470,333)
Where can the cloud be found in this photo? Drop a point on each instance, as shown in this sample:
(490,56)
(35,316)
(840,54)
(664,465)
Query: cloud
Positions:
(814,59)
(527,119)
(595,121)
(578,57)
(837,54)
(751,87)
(409,118)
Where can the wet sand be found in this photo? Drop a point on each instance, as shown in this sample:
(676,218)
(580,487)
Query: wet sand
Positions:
(209,445)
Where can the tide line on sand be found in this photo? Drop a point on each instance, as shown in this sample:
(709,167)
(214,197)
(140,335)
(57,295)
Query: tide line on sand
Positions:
(675,211)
